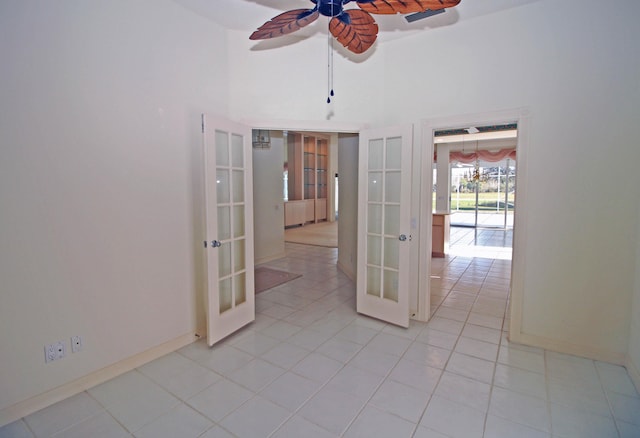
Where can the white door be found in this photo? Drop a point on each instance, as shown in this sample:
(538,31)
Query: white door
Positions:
(229,227)
(384,194)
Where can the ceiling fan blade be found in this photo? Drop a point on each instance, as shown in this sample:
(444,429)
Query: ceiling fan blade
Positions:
(421,15)
(354,29)
(285,23)
(404,6)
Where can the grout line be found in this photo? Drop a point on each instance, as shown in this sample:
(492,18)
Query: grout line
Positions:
(547,391)
(606,395)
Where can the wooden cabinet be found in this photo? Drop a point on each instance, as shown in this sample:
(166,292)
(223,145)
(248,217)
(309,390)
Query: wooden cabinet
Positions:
(294,213)
(321,209)
(308,160)
(322,169)
(299,212)
(440,234)
(309,169)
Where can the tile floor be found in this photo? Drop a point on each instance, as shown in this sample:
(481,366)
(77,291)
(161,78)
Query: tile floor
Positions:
(309,366)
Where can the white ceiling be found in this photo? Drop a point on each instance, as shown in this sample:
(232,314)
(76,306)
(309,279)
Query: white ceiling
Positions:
(248,15)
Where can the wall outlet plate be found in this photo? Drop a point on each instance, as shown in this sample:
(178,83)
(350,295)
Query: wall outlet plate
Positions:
(76,344)
(54,351)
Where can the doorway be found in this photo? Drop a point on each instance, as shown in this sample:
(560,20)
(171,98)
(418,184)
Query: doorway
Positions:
(509,178)
(474,175)
(421,216)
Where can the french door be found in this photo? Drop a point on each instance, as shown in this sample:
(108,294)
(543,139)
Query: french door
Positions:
(384,193)
(229,227)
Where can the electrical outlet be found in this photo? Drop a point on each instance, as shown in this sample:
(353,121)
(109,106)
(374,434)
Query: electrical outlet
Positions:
(54,351)
(76,344)
(50,353)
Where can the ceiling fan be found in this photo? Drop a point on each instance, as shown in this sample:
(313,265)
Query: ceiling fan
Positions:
(353,28)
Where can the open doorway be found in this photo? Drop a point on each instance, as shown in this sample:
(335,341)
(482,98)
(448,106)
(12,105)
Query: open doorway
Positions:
(474,191)
(309,210)
(506,272)
(472,233)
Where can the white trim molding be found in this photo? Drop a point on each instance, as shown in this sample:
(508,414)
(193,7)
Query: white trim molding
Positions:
(569,348)
(21,409)
(520,116)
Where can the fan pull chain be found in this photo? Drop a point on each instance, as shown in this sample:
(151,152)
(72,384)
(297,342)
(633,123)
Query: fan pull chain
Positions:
(330,61)
(329,68)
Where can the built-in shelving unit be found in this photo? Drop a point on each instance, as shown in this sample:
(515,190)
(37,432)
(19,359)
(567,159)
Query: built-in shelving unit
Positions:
(308,157)
(322,177)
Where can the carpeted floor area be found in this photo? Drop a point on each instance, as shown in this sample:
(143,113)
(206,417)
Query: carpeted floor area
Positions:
(267,278)
(320,234)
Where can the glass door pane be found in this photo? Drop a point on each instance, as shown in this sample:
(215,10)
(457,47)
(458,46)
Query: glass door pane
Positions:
(383,205)
(231,226)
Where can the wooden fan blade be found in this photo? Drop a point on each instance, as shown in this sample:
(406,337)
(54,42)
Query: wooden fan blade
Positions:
(357,32)
(285,23)
(404,6)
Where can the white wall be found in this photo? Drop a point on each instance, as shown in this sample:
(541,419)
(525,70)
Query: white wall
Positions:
(633,359)
(289,83)
(268,205)
(100,181)
(574,65)
(348,203)
(576,70)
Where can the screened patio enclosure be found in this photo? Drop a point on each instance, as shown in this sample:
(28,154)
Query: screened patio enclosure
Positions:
(479,187)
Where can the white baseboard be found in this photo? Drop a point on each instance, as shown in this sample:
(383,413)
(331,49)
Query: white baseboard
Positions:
(568,348)
(34,404)
(633,371)
(346,271)
(269,258)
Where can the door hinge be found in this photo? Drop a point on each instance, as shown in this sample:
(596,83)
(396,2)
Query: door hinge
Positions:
(202,122)
(205,243)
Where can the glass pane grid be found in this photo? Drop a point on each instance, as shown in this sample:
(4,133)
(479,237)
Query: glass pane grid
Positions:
(237,151)
(240,271)
(240,289)
(222,148)
(230,179)
(369,265)
(225,295)
(383,203)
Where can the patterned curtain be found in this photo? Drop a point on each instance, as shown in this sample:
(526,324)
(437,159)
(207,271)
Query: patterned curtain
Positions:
(489,156)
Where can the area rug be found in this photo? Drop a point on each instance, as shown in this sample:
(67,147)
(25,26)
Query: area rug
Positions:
(267,278)
(320,234)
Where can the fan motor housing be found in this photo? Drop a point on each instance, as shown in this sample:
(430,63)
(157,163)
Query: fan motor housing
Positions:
(330,8)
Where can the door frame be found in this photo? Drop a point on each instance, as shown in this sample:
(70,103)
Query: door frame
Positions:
(521,116)
(422,210)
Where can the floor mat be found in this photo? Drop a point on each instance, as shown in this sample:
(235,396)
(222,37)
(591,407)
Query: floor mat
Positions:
(267,278)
